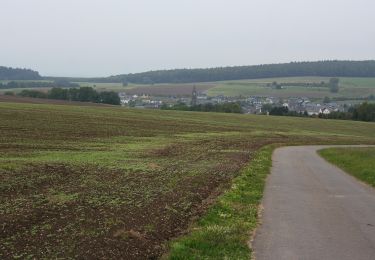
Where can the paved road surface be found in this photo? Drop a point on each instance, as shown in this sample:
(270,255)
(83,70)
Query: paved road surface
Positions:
(313,210)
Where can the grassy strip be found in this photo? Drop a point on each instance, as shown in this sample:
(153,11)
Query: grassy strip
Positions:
(359,162)
(224,232)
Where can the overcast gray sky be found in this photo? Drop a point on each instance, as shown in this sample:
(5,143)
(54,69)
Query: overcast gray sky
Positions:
(105,37)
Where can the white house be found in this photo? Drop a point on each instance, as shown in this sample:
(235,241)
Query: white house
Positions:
(124,101)
(324,111)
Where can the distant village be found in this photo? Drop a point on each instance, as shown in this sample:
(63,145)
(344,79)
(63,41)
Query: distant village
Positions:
(249,104)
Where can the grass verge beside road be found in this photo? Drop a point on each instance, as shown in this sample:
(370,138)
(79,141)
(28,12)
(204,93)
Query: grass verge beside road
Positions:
(359,162)
(223,233)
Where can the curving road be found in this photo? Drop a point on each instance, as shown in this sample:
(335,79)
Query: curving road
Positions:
(314,210)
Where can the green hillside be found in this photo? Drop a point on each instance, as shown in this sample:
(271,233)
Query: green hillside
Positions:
(332,68)
(349,88)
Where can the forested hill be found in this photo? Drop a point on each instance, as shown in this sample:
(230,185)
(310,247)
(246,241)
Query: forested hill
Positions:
(293,69)
(18,74)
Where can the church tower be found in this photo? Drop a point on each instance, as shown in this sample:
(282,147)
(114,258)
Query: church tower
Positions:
(194,96)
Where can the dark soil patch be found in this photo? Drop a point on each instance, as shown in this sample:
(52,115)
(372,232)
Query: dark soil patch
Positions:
(56,210)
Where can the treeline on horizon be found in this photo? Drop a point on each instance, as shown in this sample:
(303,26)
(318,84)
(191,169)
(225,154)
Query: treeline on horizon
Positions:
(331,68)
(38,84)
(82,94)
(18,74)
(293,69)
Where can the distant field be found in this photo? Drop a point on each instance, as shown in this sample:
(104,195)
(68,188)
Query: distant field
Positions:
(156,89)
(109,182)
(17,90)
(167,90)
(102,86)
(359,162)
(349,87)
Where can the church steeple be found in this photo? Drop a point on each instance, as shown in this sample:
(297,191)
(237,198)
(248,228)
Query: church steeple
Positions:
(194,96)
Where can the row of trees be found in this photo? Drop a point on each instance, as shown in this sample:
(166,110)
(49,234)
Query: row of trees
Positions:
(293,69)
(18,74)
(83,94)
(279,111)
(362,112)
(333,85)
(38,84)
(282,111)
(208,107)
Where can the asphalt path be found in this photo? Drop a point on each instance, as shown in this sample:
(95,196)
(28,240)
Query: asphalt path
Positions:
(314,210)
